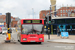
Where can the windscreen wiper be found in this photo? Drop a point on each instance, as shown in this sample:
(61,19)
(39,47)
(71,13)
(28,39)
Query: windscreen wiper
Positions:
(29,32)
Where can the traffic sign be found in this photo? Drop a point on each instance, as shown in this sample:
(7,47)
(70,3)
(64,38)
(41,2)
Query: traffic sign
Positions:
(64,34)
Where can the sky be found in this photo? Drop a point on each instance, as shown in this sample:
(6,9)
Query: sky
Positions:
(29,8)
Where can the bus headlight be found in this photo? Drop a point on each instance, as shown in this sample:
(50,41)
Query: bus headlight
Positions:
(40,38)
(24,39)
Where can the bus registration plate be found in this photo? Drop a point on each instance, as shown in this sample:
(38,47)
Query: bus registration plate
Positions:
(32,41)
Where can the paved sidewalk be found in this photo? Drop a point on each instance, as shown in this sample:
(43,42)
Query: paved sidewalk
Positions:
(55,38)
(72,37)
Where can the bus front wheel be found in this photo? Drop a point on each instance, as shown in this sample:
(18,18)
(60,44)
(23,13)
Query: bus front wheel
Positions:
(39,42)
(21,43)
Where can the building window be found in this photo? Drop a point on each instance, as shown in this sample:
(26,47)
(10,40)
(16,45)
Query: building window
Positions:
(66,11)
(63,11)
(15,25)
(72,14)
(74,10)
(67,7)
(61,15)
(43,14)
(71,10)
(48,11)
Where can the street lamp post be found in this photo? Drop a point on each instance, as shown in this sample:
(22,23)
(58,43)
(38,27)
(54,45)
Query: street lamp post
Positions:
(53,6)
(53,2)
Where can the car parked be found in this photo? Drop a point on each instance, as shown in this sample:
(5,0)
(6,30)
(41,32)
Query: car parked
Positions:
(0,30)
(4,30)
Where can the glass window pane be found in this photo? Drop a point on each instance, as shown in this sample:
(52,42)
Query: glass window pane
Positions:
(68,21)
(26,28)
(73,20)
(30,28)
(60,21)
(63,11)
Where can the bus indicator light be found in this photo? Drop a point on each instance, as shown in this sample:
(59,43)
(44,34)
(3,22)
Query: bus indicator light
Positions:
(21,35)
(43,35)
(28,41)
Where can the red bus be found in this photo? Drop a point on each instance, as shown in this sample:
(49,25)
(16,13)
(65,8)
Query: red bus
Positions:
(32,30)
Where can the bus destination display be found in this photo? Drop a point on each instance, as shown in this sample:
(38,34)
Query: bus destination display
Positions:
(32,21)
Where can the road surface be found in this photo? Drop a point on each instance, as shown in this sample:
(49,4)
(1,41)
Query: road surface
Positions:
(44,46)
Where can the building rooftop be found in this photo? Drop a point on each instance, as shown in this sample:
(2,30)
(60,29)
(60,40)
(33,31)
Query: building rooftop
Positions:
(61,17)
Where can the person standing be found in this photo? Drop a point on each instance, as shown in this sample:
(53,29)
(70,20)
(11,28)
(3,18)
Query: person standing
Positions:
(58,31)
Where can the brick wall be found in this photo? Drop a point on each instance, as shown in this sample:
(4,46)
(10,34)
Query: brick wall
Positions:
(13,23)
(43,13)
(4,18)
(61,12)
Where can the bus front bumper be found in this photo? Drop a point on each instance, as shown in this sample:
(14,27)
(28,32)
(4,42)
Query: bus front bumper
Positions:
(32,40)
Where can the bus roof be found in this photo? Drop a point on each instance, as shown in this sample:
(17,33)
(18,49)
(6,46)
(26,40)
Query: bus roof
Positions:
(62,17)
(32,19)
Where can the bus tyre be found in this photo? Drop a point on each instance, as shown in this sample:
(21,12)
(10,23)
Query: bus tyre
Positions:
(39,42)
(18,39)
(21,42)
